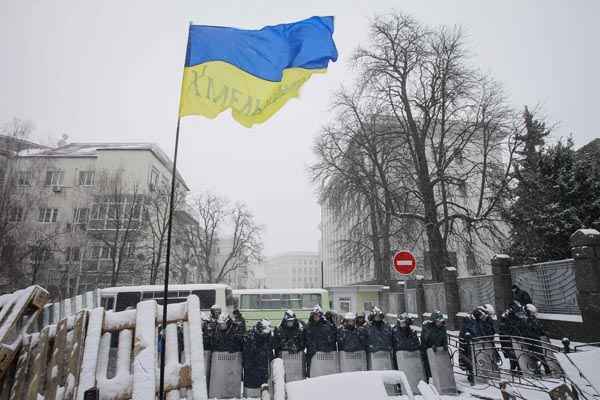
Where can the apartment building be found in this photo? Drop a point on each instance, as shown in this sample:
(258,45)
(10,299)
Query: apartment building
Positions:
(92,199)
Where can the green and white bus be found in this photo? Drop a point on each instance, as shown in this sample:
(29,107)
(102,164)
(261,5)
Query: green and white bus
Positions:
(256,304)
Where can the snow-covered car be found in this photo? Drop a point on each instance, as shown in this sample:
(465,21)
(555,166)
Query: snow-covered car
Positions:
(362,385)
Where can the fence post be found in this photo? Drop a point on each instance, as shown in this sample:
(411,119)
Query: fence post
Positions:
(502,281)
(585,248)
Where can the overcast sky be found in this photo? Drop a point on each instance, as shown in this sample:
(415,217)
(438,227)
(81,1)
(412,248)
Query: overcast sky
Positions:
(111,70)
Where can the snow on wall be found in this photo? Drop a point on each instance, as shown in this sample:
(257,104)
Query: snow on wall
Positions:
(87,376)
(144,366)
(278,377)
(196,352)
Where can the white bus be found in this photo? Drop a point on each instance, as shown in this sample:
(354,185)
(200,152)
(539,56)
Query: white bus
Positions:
(120,298)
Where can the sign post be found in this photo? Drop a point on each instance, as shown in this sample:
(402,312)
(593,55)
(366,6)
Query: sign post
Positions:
(404,262)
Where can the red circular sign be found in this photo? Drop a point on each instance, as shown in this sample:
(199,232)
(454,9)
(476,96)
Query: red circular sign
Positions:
(404,262)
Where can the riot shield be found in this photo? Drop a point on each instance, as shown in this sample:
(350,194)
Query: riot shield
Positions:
(380,361)
(442,372)
(411,363)
(225,375)
(353,361)
(293,364)
(324,363)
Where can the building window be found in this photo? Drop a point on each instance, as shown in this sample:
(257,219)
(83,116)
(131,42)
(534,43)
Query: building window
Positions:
(99,211)
(24,178)
(131,250)
(81,215)
(153,179)
(16,214)
(54,178)
(86,178)
(101,252)
(48,215)
(73,254)
(344,304)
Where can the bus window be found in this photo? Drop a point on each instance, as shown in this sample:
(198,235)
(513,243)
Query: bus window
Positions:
(171,300)
(147,295)
(183,293)
(127,299)
(107,302)
(295,301)
(248,301)
(207,298)
(310,300)
(229,299)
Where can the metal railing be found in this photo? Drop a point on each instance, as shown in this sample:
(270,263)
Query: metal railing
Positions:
(518,360)
(552,285)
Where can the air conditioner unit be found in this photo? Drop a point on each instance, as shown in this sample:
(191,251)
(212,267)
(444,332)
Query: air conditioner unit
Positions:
(57,189)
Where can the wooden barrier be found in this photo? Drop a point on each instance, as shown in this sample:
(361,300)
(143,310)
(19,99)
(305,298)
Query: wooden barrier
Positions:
(116,353)
(18,312)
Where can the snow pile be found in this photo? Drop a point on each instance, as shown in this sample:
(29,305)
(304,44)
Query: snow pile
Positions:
(359,385)
(278,377)
(144,366)
(582,369)
(87,376)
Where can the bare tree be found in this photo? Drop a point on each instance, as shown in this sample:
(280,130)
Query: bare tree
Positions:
(446,134)
(25,247)
(116,221)
(155,236)
(224,238)
(356,156)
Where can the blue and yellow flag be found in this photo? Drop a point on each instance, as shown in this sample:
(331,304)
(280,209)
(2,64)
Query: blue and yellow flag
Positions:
(253,72)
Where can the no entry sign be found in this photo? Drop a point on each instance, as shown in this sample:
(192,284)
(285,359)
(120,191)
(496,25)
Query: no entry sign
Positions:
(404,262)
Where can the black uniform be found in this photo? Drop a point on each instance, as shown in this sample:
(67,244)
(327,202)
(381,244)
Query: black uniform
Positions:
(473,328)
(509,324)
(405,339)
(257,355)
(239,320)
(228,339)
(434,337)
(289,339)
(378,336)
(533,329)
(209,327)
(320,336)
(351,339)
(521,296)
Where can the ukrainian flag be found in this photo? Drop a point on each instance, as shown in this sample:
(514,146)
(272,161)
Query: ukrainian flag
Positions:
(253,72)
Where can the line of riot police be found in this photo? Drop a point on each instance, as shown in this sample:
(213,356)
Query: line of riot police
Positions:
(319,347)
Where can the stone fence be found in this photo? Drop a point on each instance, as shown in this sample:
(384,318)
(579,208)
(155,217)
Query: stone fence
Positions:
(566,292)
(551,285)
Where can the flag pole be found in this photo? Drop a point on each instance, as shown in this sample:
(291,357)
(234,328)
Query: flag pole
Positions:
(163,330)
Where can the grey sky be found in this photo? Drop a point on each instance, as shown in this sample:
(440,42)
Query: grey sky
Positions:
(111,70)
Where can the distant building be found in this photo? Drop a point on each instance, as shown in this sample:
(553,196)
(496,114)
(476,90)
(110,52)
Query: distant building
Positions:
(93,197)
(238,277)
(288,270)
(337,270)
